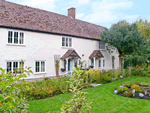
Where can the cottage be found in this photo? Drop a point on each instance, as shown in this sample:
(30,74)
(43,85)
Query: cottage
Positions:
(37,38)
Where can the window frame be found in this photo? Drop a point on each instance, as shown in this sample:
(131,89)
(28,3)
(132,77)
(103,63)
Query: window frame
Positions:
(102,45)
(67,42)
(40,68)
(12,65)
(19,38)
(102,63)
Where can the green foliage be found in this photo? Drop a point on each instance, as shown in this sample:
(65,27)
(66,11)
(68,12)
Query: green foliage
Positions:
(143,27)
(77,103)
(45,88)
(126,39)
(120,23)
(122,89)
(11,98)
(139,90)
(142,70)
(128,94)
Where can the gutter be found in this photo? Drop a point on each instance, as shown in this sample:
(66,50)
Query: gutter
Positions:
(54,33)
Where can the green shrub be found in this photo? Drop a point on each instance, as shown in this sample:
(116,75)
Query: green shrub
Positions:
(122,89)
(11,98)
(139,90)
(128,94)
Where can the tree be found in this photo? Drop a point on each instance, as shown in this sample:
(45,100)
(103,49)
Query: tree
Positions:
(143,27)
(126,39)
(120,23)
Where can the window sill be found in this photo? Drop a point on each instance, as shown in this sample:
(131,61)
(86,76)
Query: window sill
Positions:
(63,47)
(39,73)
(9,44)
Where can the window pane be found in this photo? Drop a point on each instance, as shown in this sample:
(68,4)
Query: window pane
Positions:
(101,45)
(15,67)
(64,64)
(92,62)
(42,66)
(99,63)
(16,37)
(70,42)
(9,36)
(63,41)
(9,64)
(37,67)
(103,63)
(66,42)
(21,66)
(21,40)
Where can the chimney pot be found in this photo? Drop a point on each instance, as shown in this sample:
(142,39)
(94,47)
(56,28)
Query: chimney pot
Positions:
(71,12)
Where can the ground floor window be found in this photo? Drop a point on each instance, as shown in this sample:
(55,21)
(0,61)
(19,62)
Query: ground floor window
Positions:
(15,66)
(101,63)
(40,66)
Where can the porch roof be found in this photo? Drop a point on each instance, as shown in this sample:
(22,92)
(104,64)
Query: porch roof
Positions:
(70,54)
(96,54)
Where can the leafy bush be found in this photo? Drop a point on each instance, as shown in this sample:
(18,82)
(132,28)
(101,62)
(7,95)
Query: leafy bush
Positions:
(44,88)
(128,94)
(122,89)
(11,98)
(134,86)
(78,101)
(139,90)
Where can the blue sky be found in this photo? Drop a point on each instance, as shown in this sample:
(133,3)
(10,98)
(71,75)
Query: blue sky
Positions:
(100,12)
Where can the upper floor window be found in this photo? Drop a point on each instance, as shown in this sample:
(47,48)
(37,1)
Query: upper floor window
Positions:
(67,42)
(15,37)
(15,66)
(101,45)
(39,66)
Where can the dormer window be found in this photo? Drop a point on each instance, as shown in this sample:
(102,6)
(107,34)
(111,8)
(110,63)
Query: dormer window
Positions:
(66,42)
(15,37)
(102,45)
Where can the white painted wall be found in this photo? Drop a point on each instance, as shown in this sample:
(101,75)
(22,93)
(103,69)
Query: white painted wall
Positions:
(39,46)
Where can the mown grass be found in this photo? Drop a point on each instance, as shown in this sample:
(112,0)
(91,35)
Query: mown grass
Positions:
(102,97)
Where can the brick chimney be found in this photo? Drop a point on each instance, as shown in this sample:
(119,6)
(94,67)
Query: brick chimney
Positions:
(71,12)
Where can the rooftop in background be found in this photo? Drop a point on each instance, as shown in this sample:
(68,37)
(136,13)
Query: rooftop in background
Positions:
(15,15)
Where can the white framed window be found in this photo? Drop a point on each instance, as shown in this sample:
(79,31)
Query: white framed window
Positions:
(15,37)
(40,66)
(101,63)
(15,66)
(66,42)
(102,45)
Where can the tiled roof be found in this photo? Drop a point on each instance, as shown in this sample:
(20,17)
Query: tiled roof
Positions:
(15,15)
(71,54)
(96,54)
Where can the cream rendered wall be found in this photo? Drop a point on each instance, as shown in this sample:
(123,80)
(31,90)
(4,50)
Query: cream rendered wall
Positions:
(40,46)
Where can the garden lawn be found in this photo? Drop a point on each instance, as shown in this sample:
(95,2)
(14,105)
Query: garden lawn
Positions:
(102,97)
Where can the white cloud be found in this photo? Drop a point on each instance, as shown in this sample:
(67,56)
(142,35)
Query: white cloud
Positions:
(107,10)
(83,1)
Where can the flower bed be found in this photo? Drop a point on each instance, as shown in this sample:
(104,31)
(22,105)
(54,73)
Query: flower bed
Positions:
(134,90)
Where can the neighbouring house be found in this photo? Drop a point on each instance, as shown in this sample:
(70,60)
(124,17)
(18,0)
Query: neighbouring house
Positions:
(37,38)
